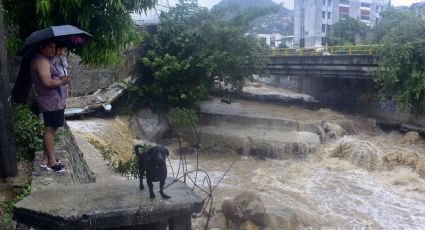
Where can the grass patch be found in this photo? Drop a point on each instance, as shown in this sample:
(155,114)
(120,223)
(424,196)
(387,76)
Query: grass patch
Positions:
(6,208)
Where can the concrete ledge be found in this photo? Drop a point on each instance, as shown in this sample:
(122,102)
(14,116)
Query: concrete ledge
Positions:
(106,206)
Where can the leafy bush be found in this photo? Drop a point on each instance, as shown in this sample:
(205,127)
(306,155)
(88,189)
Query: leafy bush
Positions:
(183,121)
(402,59)
(194,51)
(6,208)
(28,130)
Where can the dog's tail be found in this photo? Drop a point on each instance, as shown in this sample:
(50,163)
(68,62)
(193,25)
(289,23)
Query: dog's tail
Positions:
(137,149)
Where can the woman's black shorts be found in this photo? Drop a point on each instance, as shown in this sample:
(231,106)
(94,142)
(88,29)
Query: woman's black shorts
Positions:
(54,119)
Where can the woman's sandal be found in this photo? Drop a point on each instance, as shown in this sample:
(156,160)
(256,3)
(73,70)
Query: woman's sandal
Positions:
(45,165)
(57,168)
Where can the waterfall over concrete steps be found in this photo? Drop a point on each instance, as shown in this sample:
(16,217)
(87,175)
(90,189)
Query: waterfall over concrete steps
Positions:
(237,127)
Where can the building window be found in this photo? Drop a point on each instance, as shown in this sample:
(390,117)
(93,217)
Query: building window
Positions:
(329,2)
(329,15)
(364,12)
(272,41)
(323,14)
(324,2)
(343,15)
(324,42)
(344,2)
(364,17)
(343,9)
(363,4)
(326,30)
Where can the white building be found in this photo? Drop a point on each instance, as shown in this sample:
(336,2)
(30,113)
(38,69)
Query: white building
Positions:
(274,40)
(313,18)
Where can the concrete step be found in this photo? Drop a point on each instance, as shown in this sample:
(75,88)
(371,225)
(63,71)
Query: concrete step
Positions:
(258,141)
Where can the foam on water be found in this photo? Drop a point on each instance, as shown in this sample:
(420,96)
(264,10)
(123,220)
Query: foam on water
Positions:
(372,180)
(337,196)
(361,201)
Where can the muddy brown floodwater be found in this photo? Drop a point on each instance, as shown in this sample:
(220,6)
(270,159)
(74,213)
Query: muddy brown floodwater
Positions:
(369,179)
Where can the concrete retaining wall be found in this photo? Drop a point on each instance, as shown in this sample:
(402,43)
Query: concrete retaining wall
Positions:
(352,95)
(80,169)
(86,80)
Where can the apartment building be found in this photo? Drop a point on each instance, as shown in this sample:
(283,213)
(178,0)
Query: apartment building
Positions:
(313,18)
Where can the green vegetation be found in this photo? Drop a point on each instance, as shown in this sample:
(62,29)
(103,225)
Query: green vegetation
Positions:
(279,19)
(108,21)
(192,52)
(28,131)
(183,122)
(345,30)
(402,59)
(6,208)
(130,168)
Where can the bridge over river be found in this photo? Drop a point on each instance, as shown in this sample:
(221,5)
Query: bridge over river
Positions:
(356,62)
(337,76)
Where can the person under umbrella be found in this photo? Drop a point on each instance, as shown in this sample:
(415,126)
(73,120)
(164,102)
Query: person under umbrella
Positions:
(37,70)
(50,100)
(68,35)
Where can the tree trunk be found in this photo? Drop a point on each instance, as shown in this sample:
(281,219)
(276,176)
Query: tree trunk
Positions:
(7,144)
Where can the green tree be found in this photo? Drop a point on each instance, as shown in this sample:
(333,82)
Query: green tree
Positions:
(345,30)
(402,59)
(392,19)
(109,21)
(193,51)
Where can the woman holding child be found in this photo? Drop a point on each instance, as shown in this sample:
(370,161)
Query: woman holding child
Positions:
(49,85)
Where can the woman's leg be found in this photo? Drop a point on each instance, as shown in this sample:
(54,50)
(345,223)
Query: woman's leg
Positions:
(49,144)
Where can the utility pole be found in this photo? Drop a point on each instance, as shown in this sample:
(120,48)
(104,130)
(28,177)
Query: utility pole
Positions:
(7,144)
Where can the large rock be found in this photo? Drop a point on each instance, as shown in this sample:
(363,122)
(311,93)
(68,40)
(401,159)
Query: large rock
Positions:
(218,222)
(288,219)
(148,126)
(252,208)
(231,210)
(248,225)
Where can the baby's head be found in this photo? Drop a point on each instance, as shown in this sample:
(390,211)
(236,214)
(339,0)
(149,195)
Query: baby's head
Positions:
(61,51)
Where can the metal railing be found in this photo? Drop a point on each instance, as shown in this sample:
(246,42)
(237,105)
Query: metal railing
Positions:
(330,50)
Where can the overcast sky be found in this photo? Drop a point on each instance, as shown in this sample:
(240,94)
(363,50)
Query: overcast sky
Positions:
(210,3)
(290,3)
(403,2)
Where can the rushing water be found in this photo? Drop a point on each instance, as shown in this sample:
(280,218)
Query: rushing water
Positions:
(370,180)
(329,193)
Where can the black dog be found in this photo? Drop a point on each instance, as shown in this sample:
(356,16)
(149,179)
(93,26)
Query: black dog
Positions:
(153,163)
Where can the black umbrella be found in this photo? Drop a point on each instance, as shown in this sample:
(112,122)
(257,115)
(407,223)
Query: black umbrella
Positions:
(65,35)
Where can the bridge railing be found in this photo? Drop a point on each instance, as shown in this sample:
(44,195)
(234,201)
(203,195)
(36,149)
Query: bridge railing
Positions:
(330,50)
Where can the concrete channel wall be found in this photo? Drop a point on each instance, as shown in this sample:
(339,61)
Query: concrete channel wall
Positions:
(343,82)
(86,80)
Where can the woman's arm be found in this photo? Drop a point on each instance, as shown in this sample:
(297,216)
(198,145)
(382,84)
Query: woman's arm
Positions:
(42,67)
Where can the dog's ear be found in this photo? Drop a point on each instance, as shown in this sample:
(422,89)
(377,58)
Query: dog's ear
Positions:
(137,149)
(164,153)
